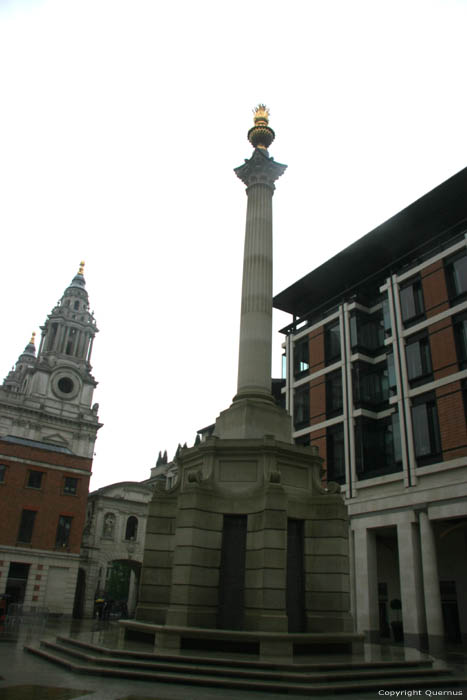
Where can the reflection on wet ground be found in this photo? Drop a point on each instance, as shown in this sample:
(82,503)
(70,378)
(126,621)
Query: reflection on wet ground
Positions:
(26,677)
(39,692)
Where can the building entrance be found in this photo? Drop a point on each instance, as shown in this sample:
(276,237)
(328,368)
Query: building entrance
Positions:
(232,573)
(16,582)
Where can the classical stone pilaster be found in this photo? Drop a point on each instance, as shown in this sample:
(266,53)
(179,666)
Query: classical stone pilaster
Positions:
(413,612)
(433,610)
(366,583)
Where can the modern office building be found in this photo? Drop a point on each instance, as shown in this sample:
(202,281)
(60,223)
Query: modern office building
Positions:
(376,378)
(47,434)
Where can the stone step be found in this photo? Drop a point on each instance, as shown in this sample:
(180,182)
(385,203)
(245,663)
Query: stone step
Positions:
(290,674)
(233,677)
(192,658)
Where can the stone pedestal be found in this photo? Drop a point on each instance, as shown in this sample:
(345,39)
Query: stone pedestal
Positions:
(274,489)
(253,418)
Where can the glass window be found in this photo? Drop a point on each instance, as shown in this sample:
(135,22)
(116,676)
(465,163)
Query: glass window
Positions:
(63,531)
(26,526)
(370,385)
(301,357)
(392,380)
(426,428)
(460,334)
(335,453)
(418,356)
(377,446)
(302,407)
(131,528)
(70,486)
(367,332)
(35,479)
(396,437)
(386,317)
(456,277)
(2,473)
(334,399)
(332,342)
(412,306)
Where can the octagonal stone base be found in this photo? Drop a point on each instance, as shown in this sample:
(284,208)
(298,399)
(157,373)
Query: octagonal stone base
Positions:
(294,537)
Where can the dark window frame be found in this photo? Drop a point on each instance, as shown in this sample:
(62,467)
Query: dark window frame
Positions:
(302,406)
(455,268)
(367,332)
(62,537)
(459,324)
(70,489)
(32,477)
(335,453)
(425,429)
(26,525)
(418,359)
(334,394)
(301,357)
(332,347)
(3,471)
(412,302)
(131,528)
(365,373)
(376,450)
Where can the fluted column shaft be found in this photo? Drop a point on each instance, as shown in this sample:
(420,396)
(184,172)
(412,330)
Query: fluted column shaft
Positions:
(254,360)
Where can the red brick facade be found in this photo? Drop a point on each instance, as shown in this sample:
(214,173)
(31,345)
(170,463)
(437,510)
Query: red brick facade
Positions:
(49,502)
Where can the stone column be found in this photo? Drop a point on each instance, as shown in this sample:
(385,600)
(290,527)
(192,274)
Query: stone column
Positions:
(433,610)
(254,413)
(413,613)
(366,584)
(254,361)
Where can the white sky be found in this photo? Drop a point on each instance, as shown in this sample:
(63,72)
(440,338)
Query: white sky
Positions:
(120,126)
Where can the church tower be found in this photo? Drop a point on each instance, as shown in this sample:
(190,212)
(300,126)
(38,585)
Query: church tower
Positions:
(48,428)
(48,398)
(17,378)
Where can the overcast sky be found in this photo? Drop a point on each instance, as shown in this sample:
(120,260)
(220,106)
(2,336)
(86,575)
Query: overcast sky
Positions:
(120,126)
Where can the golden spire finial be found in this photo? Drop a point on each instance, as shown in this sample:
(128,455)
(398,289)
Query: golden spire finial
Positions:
(81,268)
(33,338)
(261,113)
(261,135)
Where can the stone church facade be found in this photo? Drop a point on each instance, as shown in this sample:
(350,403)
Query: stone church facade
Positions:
(48,428)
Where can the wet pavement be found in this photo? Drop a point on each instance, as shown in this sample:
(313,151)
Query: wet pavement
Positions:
(27,677)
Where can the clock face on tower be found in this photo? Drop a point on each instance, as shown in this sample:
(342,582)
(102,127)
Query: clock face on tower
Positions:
(65,384)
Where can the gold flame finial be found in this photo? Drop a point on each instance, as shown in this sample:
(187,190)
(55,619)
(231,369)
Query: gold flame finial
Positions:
(261,135)
(261,113)
(33,338)
(81,268)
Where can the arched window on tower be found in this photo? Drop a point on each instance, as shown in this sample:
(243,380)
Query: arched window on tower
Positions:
(70,344)
(131,528)
(76,305)
(51,336)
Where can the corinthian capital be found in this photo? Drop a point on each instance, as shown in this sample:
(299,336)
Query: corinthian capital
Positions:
(260,169)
